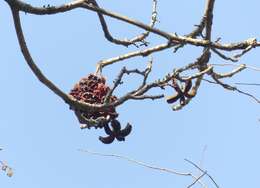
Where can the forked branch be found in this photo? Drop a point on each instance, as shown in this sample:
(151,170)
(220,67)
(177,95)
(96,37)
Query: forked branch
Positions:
(185,86)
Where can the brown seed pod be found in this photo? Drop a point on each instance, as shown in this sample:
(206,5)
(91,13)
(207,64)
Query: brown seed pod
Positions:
(173,98)
(181,94)
(92,89)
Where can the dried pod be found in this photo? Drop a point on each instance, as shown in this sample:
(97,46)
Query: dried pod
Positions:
(120,138)
(107,140)
(173,98)
(107,129)
(181,93)
(190,94)
(92,89)
(115,132)
(126,131)
(116,125)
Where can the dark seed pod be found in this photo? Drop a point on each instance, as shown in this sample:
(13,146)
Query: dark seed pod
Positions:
(126,131)
(120,138)
(107,140)
(116,125)
(108,130)
(181,93)
(176,86)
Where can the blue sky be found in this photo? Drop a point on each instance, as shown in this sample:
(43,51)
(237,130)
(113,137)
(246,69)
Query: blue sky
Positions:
(41,136)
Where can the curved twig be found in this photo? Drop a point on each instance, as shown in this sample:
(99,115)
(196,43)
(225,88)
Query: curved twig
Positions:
(170,171)
(125,42)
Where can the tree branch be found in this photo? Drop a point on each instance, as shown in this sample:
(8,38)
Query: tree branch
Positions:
(166,170)
(126,42)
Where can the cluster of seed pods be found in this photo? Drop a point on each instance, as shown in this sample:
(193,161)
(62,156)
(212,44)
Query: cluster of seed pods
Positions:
(92,89)
(116,132)
(181,93)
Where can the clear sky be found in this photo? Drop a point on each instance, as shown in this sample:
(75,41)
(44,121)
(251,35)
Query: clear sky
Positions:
(219,129)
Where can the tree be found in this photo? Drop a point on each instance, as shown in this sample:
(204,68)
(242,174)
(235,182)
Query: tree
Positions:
(181,82)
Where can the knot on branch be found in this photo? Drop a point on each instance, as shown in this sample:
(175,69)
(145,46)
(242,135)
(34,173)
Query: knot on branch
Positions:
(92,89)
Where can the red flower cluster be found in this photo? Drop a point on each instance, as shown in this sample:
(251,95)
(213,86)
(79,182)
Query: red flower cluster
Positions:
(93,89)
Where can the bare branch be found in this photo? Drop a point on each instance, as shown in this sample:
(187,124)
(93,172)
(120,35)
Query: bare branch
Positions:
(173,41)
(170,171)
(143,53)
(29,59)
(26,53)
(171,38)
(125,42)
(251,43)
(230,74)
(208,18)
(131,95)
(142,97)
(25,7)
(203,171)
(248,84)
(199,74)
(224,56)
(238,65)
(195,181)
(232,88)
(152,23)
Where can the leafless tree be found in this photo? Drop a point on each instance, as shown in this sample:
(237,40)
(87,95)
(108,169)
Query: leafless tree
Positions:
(183,80)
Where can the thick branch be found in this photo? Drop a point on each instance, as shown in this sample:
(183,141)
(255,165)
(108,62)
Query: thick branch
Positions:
(41,77)
(172,38)
(25,7)
(209,17)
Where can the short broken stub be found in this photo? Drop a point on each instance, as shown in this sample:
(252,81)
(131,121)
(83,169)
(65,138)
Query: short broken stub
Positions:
(92,89)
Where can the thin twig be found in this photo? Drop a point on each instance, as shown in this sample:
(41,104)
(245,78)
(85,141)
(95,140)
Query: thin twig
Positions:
(125,42)
(203,171)
(224,56)
(232,88)
(230,74)
(248,84)
(237,65)
(195,181)
(167,170)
